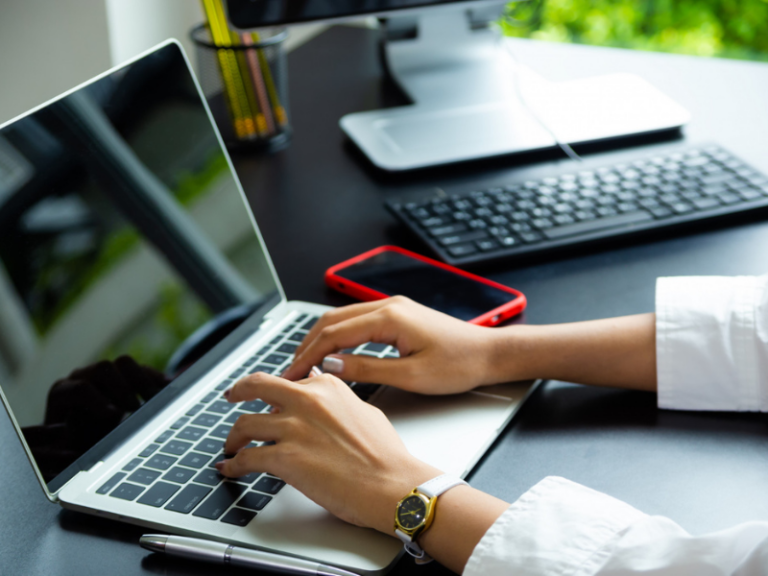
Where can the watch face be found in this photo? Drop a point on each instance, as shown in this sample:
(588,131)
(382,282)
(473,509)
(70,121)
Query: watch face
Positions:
(411,512)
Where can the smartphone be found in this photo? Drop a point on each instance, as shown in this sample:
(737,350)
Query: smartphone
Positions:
(389,270)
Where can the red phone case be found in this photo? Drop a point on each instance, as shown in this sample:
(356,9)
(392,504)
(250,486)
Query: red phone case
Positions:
(491,318)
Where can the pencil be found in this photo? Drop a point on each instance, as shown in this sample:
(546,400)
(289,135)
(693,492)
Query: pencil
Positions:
(282,117)
(258,83)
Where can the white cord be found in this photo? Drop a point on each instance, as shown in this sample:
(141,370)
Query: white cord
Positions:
(521,97)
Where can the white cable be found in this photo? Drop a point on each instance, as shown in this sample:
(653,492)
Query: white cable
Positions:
(565,147)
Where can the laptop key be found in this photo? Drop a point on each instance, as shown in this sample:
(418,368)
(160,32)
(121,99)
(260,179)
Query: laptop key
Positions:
(302,317)
(248,478)
(127,491)
(223,386)
(176,447)
(144,476)
(219,458)
(191,433)
(180,475)
(221,499)
(254,501)
(179,423)
(263,368)
(188,498)
(232,418)
(210,446)
(237,373)
(149,450)
(221,407)
(287,348)
(209,476)
(206,420)
(195,460)
(195,409)
(164,437)
(375,347)
(297,336)
(269,485)
(309,323)
(111,483)
(275,340)
(159,494)
(239,517)
(221,431)
(253,406)
(132,465)
(208,397)
(161,462)
(275,359)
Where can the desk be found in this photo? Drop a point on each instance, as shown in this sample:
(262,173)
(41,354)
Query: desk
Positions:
(706,471)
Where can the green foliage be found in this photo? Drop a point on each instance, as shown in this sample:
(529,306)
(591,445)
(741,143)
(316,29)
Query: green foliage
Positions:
(728,28)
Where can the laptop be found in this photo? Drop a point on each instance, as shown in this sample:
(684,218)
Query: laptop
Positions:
(135,288)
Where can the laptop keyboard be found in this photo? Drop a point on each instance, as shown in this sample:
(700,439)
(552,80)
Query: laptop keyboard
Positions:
(177,471)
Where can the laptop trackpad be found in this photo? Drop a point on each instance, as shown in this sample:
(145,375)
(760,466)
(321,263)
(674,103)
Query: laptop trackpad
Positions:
(451,432)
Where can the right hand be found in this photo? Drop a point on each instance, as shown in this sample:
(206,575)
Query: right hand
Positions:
(438,353)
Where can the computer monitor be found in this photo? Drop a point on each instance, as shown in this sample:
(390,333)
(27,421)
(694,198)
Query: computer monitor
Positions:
(455,68)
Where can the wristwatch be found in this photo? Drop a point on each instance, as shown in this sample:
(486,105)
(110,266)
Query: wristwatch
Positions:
(415,512)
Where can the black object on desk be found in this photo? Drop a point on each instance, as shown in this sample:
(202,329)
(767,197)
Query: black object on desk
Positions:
(705,471)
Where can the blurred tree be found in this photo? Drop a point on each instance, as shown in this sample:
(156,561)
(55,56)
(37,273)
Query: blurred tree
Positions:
(727,28)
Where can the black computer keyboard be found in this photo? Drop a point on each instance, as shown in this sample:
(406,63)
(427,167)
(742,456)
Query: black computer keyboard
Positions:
(592,204)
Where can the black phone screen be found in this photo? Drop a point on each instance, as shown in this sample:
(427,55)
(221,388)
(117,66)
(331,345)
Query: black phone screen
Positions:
(392,273)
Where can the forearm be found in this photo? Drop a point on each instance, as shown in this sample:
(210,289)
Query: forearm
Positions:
(617,352)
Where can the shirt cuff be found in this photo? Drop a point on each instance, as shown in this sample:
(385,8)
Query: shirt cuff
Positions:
(711,344)
(558,527)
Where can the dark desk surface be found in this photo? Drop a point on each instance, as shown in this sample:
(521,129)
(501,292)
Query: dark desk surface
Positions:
(318,202)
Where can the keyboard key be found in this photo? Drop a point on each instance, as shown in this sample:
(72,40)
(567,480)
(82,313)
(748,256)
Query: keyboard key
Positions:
(275,340)
(127,491)
(195,460)
(239,517)
(111,483)
(208,397)
(161,462)
(144,476)
(309,323)
(375,347)
(249,478)
(176,447)
(221,407)
(149,450)
(454,239)
(254,501)
(297,337)
(462,250)
(221,431)
(221,499)
(253,406)
(206,420)
(264,368)
(210,446)
(164,437)
(597,225)
(179,423)
(188,498)
(209,476)
(487,245)
(224,385)
(219,458)
(195,409)
(158,494)
(232,418)
(287,348)
(275,359)
(191,433)
(180,475)
(132,465)
(237,373)
(456,228)
(269,485)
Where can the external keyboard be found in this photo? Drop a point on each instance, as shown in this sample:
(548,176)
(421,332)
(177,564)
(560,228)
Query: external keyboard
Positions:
(177,470)
(558,211)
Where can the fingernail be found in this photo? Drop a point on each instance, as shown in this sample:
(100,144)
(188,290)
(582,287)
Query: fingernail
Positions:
(220,466)
(333,365)
(227,393)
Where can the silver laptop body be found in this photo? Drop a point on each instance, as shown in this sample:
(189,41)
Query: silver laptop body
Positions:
(129,236)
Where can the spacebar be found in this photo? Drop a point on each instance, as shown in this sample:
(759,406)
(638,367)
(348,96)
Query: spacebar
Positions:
(598,224)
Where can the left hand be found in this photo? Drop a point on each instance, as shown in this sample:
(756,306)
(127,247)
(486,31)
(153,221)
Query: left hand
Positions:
(336,449)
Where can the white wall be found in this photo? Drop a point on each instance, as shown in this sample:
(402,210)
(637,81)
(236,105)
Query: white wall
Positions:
(47,47)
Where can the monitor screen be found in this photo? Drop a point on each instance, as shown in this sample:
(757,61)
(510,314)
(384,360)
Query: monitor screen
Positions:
(255,13)
(123,231)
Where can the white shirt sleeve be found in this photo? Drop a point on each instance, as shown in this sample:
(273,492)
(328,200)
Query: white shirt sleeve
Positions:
(559,528)
(712,343)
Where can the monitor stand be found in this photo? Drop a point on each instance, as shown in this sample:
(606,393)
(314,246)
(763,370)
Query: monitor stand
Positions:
(472,101)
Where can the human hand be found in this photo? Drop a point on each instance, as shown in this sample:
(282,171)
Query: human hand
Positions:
(339,451)
(438,354)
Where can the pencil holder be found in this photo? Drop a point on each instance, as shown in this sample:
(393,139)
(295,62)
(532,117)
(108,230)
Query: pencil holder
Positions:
(244,78)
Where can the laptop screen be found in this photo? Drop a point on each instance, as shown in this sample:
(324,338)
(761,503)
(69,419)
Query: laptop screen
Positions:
(126,252)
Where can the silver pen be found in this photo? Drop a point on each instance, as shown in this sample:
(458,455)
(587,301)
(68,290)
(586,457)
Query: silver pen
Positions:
(210,551)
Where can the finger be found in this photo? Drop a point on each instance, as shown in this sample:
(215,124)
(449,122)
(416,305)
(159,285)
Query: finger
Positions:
(353,332)
(271,389)
(398,372)
(259,459)
(259,427)
(339,315)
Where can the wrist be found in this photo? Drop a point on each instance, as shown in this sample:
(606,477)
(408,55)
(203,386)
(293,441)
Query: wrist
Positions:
(514,353)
